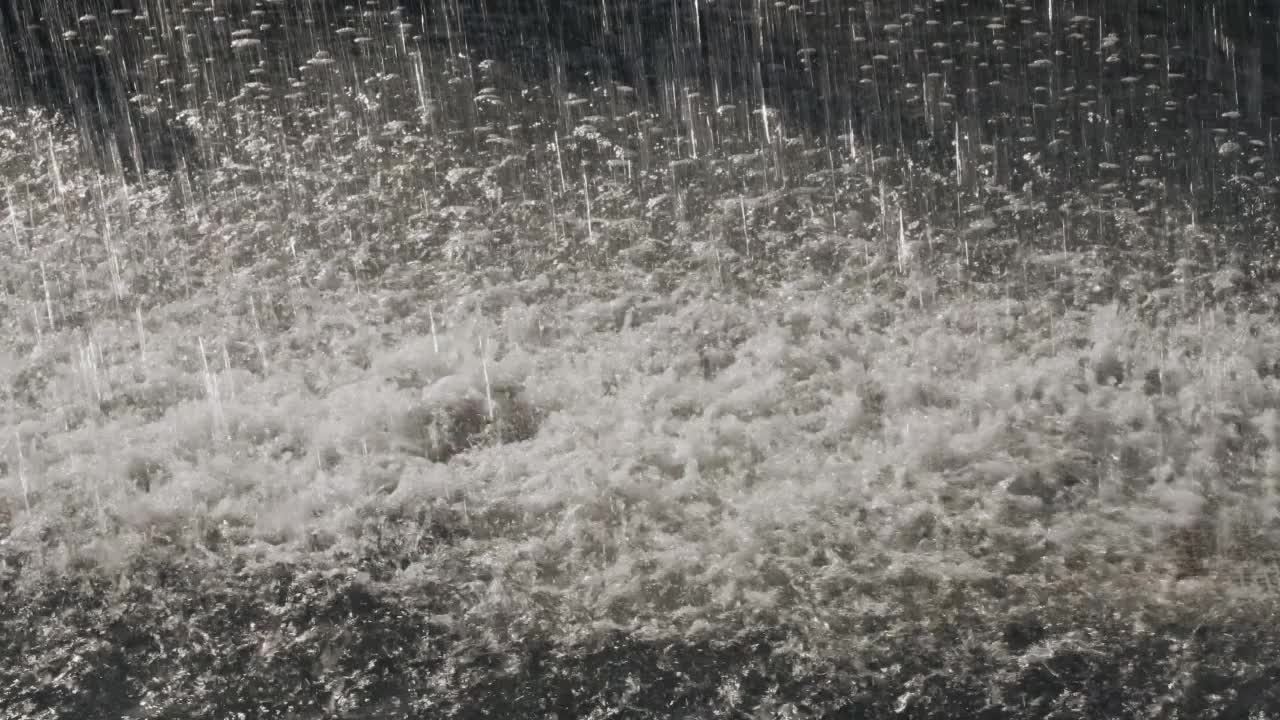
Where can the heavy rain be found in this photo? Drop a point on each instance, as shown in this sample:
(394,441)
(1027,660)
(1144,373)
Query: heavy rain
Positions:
(639,358)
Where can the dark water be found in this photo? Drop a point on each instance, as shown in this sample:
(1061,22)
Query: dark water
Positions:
(1171,103)
(823,61)
(881,68)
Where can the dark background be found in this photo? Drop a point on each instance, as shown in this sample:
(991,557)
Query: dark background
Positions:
(799,57)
